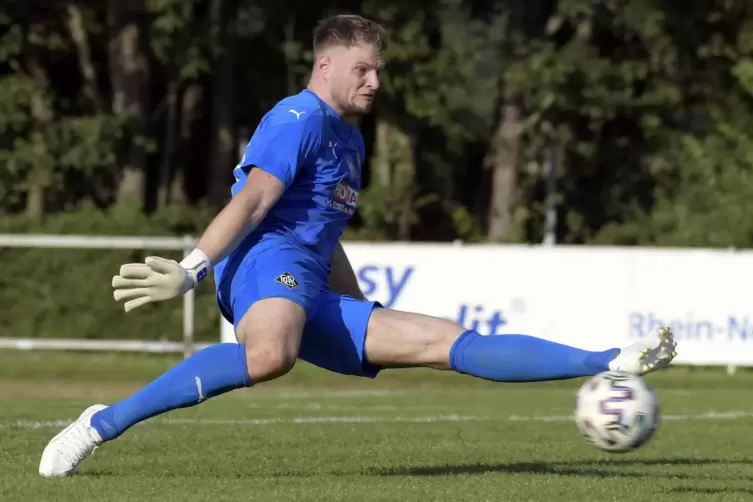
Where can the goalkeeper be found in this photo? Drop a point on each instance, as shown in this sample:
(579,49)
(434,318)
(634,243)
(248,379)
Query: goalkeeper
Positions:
(284,281)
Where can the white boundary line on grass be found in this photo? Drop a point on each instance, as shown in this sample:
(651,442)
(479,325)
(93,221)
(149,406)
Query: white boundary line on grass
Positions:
(326,394)
(710,415)
(337,393)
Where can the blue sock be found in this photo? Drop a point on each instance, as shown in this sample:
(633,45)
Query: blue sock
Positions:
(522,358)
(212,371)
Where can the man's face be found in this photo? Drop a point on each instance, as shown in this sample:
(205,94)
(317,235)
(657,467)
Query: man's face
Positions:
(353,77)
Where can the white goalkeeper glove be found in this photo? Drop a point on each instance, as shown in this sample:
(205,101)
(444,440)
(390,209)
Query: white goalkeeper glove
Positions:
(158,279)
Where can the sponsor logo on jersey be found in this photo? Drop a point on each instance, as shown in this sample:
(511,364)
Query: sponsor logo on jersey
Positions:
(345,199)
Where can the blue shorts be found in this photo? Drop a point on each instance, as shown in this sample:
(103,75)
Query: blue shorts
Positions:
(335,331)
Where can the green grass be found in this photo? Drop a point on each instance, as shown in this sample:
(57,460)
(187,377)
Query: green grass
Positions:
(419,436)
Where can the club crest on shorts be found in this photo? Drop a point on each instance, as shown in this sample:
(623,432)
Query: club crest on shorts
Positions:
(287,280)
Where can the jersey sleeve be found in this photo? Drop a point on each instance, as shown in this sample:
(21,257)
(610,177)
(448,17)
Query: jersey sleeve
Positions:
(281,147)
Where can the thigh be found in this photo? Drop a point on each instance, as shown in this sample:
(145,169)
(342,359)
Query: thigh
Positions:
(335,334)
(397,339)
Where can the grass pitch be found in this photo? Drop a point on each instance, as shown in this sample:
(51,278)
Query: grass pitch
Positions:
(408,435)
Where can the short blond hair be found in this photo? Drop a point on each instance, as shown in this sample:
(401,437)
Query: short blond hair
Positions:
(348,30)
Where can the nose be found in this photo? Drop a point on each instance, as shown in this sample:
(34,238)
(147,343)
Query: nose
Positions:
(373,80)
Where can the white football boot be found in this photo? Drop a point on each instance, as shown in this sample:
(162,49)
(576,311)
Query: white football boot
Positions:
(73,444)
(651,353)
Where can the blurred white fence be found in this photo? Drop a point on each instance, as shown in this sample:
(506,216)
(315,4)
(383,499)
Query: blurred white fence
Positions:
(589,297)
(185,244)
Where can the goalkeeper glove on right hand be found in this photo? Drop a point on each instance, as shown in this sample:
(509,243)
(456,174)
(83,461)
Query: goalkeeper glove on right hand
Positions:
(158,279)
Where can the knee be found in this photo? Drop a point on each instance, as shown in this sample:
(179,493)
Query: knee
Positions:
(268,361)
(271,331)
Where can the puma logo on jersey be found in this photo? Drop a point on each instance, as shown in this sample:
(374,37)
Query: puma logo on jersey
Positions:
(296,113)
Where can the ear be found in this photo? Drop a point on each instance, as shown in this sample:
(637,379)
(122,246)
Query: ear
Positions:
(323,64)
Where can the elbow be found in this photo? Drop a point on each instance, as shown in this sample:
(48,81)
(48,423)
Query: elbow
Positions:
(259,195)
(257,213)
(256,209)
(256,205)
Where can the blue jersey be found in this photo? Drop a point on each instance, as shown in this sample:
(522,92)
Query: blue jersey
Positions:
(317,156)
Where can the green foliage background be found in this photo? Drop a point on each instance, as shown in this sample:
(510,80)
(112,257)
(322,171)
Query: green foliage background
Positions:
(128,120)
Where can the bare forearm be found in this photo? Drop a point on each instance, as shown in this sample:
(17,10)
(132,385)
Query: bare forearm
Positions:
(237,219)
(230,226)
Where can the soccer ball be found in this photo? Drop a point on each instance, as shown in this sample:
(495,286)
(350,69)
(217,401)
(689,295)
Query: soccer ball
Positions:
(616,411)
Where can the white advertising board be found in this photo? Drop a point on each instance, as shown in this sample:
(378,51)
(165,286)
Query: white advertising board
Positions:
(589,297)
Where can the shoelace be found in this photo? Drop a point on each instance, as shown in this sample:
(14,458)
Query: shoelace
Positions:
(77,444)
